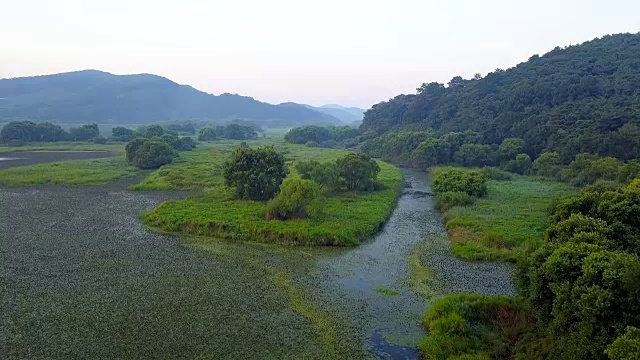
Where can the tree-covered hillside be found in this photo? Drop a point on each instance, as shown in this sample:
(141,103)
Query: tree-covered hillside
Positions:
(95,96)
(582,98)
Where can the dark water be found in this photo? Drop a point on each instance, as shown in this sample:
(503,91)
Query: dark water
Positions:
(20,158)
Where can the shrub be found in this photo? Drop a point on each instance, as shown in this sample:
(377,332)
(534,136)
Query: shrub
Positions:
(255,173)
(16,143)
(312,144)
(548,164)
(293,201)
(324,174)
(207,134)
(359,171)
(472,182)
(131,148)
(121,133)
(449,199)
(521,165)
(153,154)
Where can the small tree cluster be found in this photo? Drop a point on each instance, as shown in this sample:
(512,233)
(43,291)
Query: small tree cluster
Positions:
(358,171)
(473,182)
(149,154)
(28,131)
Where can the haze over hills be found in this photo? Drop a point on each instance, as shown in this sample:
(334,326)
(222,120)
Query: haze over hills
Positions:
(348,115)
(96,96)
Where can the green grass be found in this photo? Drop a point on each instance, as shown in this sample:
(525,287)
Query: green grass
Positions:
(512,216)
(64,146)
(347,219)
(76,172)
(388,292)
(473,326)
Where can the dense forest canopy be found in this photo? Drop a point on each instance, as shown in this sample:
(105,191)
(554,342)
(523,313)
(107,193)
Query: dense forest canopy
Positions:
(582,98)
(95,96)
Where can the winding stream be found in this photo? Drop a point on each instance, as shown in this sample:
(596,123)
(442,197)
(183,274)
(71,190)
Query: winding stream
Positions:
(81,277)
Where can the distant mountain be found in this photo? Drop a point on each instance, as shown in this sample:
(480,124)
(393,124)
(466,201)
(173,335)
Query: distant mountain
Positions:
(96,96)
(348,115)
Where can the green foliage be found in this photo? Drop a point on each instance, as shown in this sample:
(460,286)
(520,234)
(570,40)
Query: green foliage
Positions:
(84,132)
(358,171)
(150,131)
(346,219)
(236,131)
(548,164)
(520,165)
(255,173)
(132,148)
(510,148)
(472,326)
(626,347)
(571,100)
(121,133)
(472,183)
(28,131)
(511,218)
(312,144)
(582,284)
(207,134)
(293,200)
(325,174)
(475,155)
(305,134)
(587,168)
(492,173)
(447,200)
(152,154)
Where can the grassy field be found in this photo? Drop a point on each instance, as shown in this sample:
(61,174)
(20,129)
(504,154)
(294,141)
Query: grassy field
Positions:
(348,218)
(513,214)
(65,146)
(77,172)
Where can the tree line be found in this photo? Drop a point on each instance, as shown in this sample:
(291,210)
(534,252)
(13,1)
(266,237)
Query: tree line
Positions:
(29,131)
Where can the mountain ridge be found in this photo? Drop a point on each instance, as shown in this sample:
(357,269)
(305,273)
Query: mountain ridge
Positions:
(98,96)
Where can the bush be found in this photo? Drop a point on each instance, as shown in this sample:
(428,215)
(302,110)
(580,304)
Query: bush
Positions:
(121,133)
(359,171)
(548,164)
(521,165)
(207,134)
(293,201)
(255,173)
(153,154)
(449,199)
(472,182)
(16,143)
(312,144)
(324,174)
(131,148)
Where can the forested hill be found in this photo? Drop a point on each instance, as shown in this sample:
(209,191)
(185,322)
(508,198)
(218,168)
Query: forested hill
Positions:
(582,98)
(95,96)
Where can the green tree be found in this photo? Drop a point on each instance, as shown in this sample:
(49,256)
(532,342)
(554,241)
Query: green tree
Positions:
(520,165)
(121,133)
(548,164)
(626,347)
(207,134)
(255,173)
(293,200)
(153,154)
(359,171)
(84,132)
(510,148)
(471,182)
(131,149)
(326,174)
(475,155)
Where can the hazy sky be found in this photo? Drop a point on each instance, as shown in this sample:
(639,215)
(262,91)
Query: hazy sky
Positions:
(350,52)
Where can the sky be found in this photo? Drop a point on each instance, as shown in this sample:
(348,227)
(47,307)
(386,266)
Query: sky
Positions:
(350,52)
